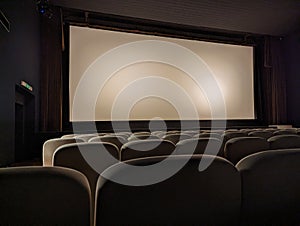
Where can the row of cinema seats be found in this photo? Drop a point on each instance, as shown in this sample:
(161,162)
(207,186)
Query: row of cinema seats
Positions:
(64,152)
(261,189)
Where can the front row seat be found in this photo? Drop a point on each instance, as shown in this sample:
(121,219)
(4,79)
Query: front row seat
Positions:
(44,196)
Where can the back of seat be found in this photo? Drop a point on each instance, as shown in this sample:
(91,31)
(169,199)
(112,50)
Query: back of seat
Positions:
(44,196)
(271,188)
(240,147)
(146,148)
(190,197)
(284,141)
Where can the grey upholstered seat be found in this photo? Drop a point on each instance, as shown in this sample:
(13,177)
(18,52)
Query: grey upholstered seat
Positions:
(51,145)
(176,137)
(240,147)
(86,137)
(146,148)
(71,156)
(271,187)
(199,146)
(114,139)
(285,131)
(44,196)
(142,137)
(190,197)
(284,141)
(262,133)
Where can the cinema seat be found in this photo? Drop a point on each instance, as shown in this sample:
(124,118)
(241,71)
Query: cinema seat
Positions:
(263,134)
(44,196)
(70,156)
(190,197)
(284,141)
(69,135)
(285,131)
(240,147)
(51,145)
(142,137)
(203,135)
(231,134)
(85,137)
(114,139)
(176,137)
(271,187)
(146,148)
(198,146)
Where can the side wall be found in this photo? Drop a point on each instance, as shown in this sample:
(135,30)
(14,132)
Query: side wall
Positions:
(19,60)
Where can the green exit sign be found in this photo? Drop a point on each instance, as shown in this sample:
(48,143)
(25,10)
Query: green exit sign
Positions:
(26,85)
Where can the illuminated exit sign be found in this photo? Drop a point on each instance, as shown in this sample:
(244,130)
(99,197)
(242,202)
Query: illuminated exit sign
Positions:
(26,85)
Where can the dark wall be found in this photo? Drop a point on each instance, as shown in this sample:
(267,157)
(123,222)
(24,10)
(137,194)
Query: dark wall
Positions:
(292,58)
(19,60)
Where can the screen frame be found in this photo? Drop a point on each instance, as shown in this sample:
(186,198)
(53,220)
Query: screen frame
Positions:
(156,28)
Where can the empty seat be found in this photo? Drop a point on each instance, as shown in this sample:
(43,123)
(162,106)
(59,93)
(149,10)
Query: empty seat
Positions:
(190,197)
(123,134)
(285,131)
(69,135)
(231,134)
(85,137)
(70,155)
(240,147)
(114,139)
(174,138)
(142,137)
(142,133)
(199,146)
(44,196)
(213,135)
(75,156)
(159,134)
(262,133)
(284,141)
(51,145)
(271,188)
(146,148)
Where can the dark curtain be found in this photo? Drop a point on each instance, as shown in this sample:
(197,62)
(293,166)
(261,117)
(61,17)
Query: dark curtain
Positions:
(51,72)
(274,82)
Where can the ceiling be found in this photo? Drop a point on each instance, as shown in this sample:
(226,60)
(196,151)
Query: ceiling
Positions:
(273,17)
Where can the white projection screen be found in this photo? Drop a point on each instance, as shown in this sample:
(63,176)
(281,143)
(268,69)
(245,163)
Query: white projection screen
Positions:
(148,89)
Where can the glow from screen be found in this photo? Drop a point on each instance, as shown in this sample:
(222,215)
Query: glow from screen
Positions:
(230,65)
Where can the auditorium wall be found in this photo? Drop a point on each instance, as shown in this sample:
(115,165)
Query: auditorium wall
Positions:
(19,60)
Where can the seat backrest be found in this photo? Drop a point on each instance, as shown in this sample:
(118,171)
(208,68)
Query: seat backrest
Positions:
(70,156)
(284,141)
(86,137)
(116,140)
(44,196)
(203,135)
(231,134)
(71,135)
(51,145)
(146,148)
(174,138)
(190,197)
(199,146)
(262,133)
(271,187)
(285,131)
(240,147)
(142,137)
